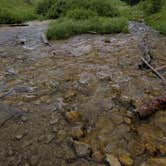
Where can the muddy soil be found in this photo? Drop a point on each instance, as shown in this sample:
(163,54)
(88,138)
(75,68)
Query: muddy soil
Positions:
(73,103)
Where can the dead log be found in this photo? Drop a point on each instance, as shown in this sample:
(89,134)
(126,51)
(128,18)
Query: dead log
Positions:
(152,107)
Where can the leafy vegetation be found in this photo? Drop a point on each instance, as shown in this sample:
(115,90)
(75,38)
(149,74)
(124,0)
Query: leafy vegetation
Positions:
(158,20)
(16,11)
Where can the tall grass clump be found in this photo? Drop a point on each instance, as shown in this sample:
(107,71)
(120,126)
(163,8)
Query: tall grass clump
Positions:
(16,11)
(65,28)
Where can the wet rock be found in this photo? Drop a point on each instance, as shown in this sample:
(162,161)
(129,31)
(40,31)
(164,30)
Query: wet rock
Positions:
(53,121)
(41,138)
(73,116)
(98,156)
(85,77)
(8,112)
(127,120)
(70,95)
(24,118)
(125,160)
(21,41)
(82,149)
(19,136)
(77,132)
(34,160)
(103,75)
(155,162)
(112,160)
(49,138)
(61,135)
(117,118)
(162,149)
(10,152)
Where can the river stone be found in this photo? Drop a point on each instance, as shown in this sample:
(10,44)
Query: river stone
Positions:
(82,149)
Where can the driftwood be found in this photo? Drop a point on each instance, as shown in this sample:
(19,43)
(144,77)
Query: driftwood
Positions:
(154,70)
(45,40)
(152,107)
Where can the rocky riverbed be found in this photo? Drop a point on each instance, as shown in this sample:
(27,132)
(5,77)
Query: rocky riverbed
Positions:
(72,103)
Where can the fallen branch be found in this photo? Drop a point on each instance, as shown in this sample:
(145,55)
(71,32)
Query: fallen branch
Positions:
(152,107)
(154,70)
(45,41)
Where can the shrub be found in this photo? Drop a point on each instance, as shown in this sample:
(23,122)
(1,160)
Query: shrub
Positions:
(66,28)
(81,13)
(56,8)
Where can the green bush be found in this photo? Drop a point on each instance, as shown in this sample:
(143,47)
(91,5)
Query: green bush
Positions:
(66,28)
(81,13)
(152,6)
(57,8)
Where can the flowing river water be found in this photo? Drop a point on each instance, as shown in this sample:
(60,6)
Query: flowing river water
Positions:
(72,103)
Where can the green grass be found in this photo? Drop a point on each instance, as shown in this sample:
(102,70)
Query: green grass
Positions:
(16,11)
(65,28)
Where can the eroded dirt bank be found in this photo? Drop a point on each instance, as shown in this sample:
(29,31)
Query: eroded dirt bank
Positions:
(72,103)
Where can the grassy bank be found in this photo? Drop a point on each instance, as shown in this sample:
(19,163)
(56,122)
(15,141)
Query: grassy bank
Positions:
(84,16)
(16,11)
(65,27)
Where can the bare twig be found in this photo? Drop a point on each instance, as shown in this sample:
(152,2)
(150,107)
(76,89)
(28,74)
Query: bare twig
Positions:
(160,68)
(154,70)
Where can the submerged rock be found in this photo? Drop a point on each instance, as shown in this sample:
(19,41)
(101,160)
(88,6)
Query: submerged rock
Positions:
(82,149)
(112,160)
